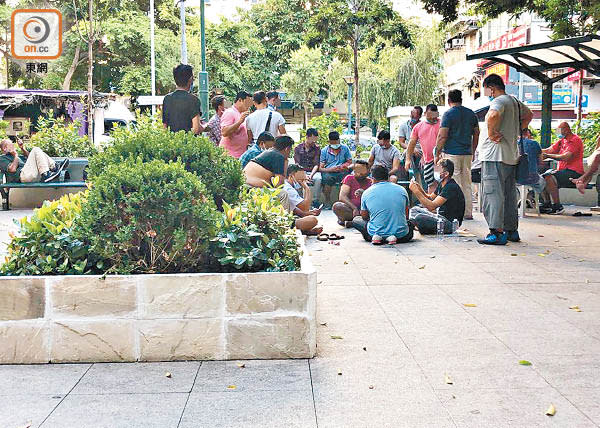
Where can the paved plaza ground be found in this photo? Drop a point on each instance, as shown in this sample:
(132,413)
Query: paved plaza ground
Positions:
(396,326)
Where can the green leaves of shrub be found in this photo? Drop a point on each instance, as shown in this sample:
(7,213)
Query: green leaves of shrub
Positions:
(220,173)
(148,217)
(56,137)
(45,244)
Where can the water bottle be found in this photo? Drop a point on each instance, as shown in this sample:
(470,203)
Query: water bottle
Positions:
(455,229)
(440,225)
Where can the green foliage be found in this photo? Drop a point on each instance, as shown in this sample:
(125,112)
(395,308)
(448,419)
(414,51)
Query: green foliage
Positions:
(57,137)
(255,235)
(3,127)
(45,244)
(219,172)
(305,78)
(149,217)
(590,133)
(324,124)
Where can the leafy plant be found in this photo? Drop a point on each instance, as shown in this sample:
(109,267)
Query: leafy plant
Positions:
(149,217)
(589,133)
(219,172)
(255,235)
(57,137)
(3,127)
(45,244)
(324,124)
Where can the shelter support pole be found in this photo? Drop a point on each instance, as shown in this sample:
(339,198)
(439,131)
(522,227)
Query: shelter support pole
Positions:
(546,114)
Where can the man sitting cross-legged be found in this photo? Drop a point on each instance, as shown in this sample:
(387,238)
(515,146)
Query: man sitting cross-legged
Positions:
(384,211)
(306,219)
(448,197)
(386,154)
(353,186)
(32,167)
(594,164)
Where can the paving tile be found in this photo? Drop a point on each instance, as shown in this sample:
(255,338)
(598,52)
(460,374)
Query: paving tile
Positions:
(20,410)
(256,375)
(564,342)
(570,372)
(121,378)
(118,411)
(586,400)
(249,409)
(348,279)
(53,379)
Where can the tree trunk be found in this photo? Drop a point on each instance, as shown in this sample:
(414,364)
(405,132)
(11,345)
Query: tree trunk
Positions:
(305,115)
(90,88)
(356,92)
(67,82)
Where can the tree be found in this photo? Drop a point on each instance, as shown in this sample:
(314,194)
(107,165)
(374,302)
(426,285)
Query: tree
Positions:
(567,18)
(355,24)
(305,78)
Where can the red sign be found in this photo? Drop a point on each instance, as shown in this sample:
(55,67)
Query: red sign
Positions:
(518,36)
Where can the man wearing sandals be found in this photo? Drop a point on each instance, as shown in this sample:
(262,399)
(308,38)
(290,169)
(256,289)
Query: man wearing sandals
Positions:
(384,211)
(305,218)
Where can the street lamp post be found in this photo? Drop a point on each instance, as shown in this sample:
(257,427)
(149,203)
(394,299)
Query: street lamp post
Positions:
(152,63)
(183,42)
(203,75)
(350,82)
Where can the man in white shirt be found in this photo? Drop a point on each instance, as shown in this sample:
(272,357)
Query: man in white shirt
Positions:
(306,219)
(263,119)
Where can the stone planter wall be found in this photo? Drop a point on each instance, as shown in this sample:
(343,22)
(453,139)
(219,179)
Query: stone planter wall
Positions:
(158,317)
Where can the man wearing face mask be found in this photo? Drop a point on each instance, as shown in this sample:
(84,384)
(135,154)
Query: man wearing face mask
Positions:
(305,218)
(425,133)
(265,142)
(499,156)
(448,198)
(181,110)
(335,163)
(568,151)
(387,155)
(353,186)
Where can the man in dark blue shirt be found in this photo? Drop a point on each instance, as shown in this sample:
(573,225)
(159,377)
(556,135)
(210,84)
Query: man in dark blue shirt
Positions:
(535,158)
(457,140)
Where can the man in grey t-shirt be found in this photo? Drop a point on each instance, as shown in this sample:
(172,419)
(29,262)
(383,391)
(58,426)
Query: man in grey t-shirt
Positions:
(387,155)
(499,156)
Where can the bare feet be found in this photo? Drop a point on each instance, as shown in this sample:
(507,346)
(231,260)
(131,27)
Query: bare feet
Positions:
(314,231)
(580,184)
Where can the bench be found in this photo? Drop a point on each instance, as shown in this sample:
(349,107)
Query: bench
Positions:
(74,176)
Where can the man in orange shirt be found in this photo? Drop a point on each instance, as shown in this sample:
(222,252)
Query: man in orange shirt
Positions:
(568,151)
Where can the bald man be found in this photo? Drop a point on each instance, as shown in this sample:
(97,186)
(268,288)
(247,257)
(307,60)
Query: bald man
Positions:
(594,165)
(568,151)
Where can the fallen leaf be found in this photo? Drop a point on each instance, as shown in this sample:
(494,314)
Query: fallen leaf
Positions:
(547,251)
(242,366)
(551,410)
(562,298)
(540,236)
(324,324)
(231,387)
(525,363)
(514,254)
(557,240)
(542,255)
(422,267)
(523,254)
(345,262)
(336,337)
(371,387)
(339,372)
(364,348)
(448,380)
(470,305)
(432,257)
(168,374)
(575,308)
(27,425)
(319,282)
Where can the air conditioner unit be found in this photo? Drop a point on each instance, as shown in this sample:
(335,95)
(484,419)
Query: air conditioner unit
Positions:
(458,42)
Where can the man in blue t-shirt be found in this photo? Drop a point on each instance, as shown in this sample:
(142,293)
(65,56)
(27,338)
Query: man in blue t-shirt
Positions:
(334,164)
(534,159)
(457,140)
(384,211)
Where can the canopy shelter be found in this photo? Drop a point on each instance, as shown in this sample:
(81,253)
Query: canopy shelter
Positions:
(577,53)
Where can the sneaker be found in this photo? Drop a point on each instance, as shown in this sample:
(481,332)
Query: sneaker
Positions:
(557,209)
(60,166)
(392,240)
(348,224)
(512,236)
(377,240)
(494,239)
(48,176)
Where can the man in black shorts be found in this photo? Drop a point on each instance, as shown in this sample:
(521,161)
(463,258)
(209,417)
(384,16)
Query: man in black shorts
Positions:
(181,109)
(568,151)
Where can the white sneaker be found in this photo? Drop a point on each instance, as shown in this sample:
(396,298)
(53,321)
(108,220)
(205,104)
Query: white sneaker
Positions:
(376,240)
(392,240)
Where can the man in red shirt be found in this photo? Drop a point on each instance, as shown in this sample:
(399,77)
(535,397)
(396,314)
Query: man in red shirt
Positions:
(568,151)
(351,191)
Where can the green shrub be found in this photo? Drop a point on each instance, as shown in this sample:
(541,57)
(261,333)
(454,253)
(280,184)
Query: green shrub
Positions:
(3,127)
(45,244)
(56,137)
(324,124)
(255,235)
(590,132)
(150,217)
(219,172)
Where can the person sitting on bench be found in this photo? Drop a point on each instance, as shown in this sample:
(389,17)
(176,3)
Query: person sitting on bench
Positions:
(594,164)
(448,197)
(31,167)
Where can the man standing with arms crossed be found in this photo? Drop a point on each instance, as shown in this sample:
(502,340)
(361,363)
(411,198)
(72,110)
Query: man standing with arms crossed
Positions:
(457,140)
(499,157)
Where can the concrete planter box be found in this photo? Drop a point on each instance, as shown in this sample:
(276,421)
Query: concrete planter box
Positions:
(158,317)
